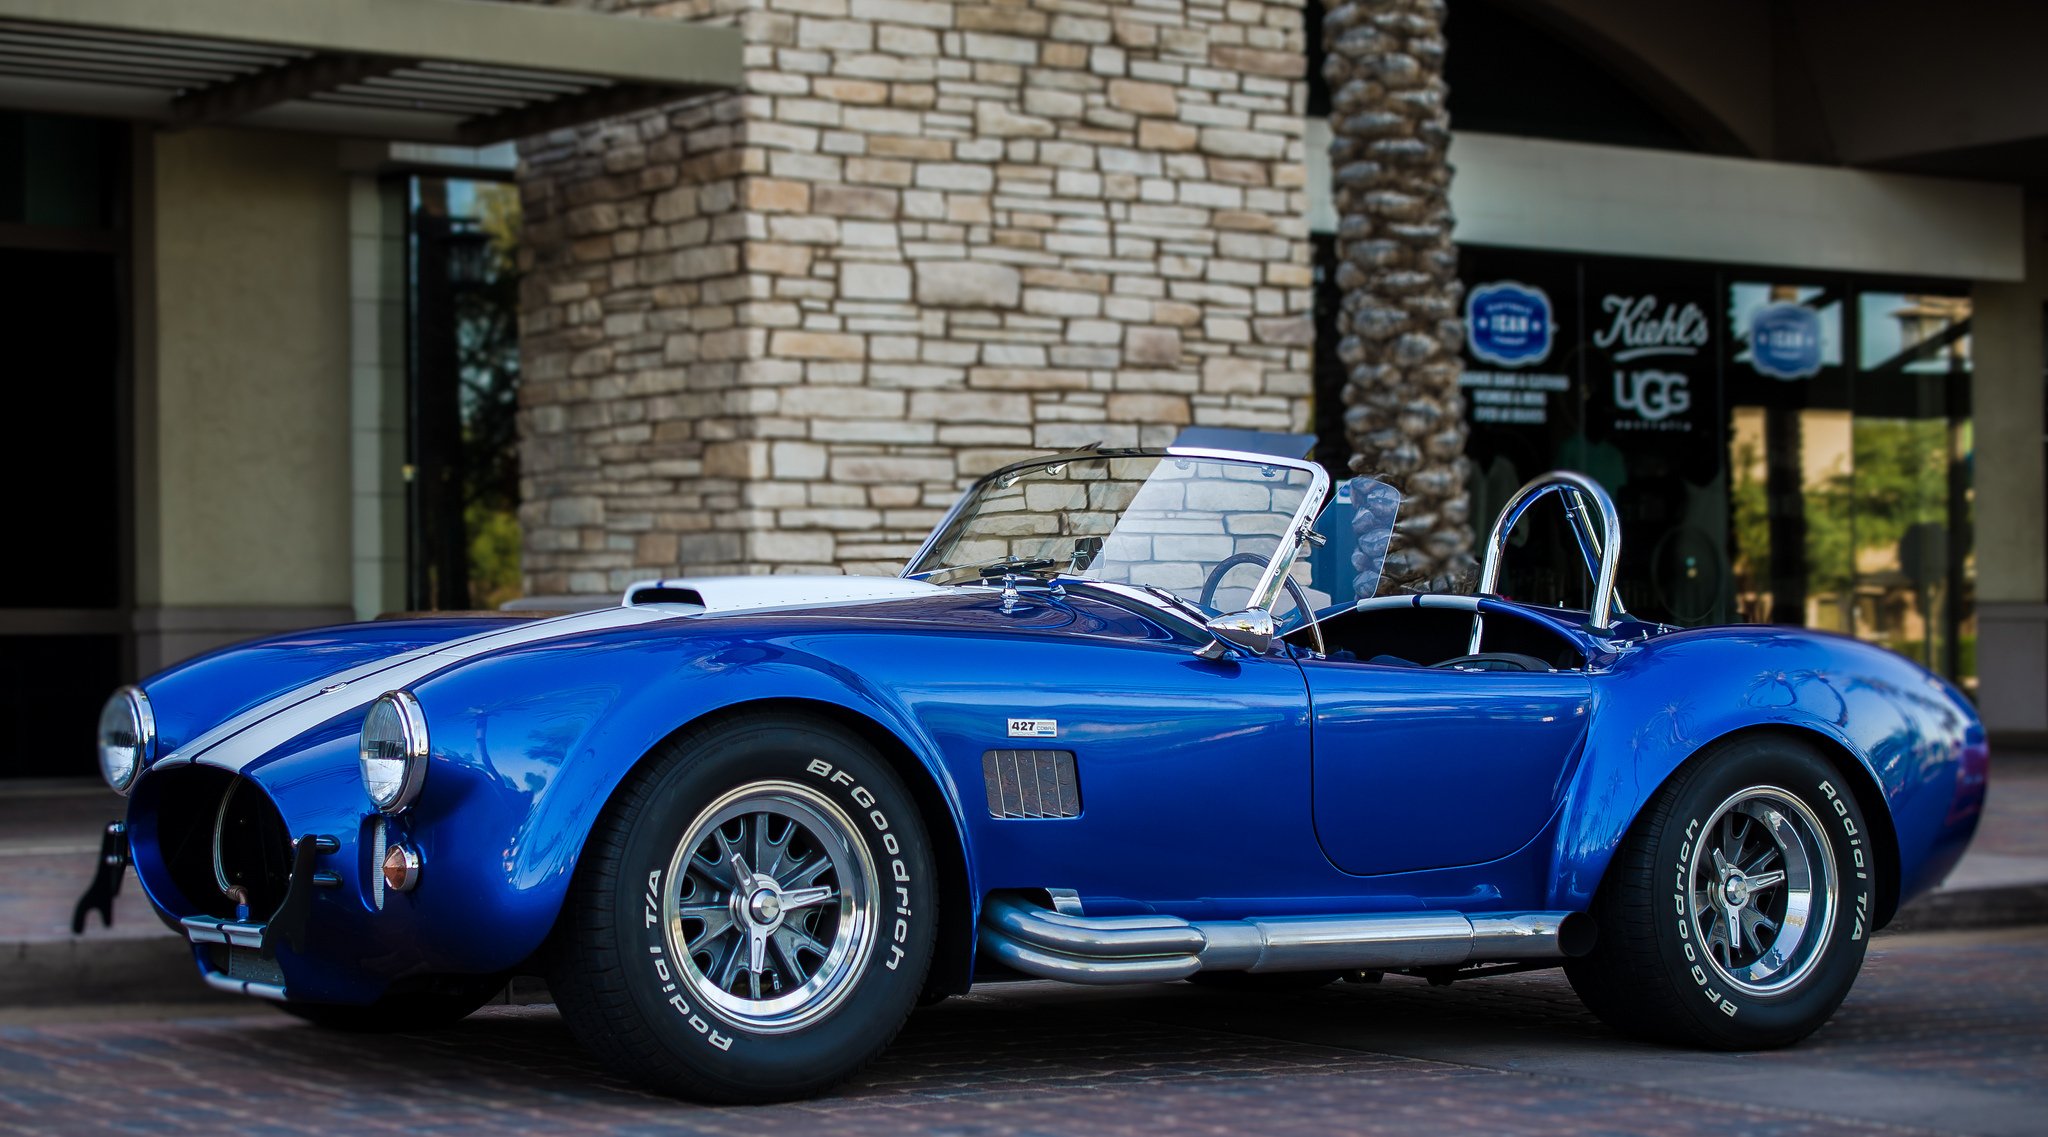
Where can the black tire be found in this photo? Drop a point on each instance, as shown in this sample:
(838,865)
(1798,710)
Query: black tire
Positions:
(408,1012)
(622,985)
(1655,971)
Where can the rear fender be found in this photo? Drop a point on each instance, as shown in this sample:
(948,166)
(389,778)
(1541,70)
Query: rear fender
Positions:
(1913,740)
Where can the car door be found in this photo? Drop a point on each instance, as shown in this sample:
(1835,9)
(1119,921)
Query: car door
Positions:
(1192,774)
(1419,768)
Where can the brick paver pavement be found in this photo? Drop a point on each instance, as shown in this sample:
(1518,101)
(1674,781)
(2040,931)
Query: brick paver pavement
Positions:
(1944,1033)
(2016,806)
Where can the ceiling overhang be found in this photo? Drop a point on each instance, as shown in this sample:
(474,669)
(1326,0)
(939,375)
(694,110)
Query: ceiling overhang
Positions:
(471,72)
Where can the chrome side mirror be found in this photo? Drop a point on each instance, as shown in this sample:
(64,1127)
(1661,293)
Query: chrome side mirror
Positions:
(1251,629)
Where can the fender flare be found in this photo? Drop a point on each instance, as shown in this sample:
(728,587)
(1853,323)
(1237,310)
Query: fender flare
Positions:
(625,705)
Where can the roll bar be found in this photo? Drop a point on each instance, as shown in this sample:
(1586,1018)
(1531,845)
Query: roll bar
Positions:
(1601,551)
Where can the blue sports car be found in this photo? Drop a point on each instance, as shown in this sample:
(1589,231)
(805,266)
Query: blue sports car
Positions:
(1126,717)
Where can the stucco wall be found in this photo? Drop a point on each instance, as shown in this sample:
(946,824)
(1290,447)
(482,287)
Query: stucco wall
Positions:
(2012,646)
(247,466)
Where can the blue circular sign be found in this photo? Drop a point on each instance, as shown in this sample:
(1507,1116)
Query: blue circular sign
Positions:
(1507,323)
(1784,341)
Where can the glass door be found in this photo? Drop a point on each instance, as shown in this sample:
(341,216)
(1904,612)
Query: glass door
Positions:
(464,536)
(1910,499)
(1849,462)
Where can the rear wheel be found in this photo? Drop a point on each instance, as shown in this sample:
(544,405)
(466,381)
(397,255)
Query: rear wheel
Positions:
(1736,913)
(754,916)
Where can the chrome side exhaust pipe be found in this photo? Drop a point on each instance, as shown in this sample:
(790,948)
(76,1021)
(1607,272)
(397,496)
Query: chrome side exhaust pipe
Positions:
(1157,949)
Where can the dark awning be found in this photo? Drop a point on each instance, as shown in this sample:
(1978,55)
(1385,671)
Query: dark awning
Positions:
(460,71)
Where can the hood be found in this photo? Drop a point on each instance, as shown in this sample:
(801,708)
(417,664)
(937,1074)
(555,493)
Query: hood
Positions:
(270,723)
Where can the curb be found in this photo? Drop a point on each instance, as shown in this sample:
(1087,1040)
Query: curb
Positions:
(89,970)
(112,970)
(1974,908)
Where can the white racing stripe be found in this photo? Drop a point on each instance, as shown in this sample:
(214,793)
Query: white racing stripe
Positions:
(263,728)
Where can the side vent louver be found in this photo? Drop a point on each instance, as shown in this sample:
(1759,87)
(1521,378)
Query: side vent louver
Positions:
(1031,783)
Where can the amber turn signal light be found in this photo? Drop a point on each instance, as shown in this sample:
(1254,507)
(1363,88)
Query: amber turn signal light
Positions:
(401,869)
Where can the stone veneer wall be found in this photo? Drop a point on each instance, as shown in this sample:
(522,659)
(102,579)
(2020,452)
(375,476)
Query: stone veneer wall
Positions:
(779,330)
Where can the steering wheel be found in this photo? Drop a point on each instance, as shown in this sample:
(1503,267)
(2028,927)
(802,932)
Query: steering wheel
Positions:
(1494,661)
(1238,560)
(1222,569)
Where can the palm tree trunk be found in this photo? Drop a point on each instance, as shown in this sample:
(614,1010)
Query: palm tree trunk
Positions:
(1400,326)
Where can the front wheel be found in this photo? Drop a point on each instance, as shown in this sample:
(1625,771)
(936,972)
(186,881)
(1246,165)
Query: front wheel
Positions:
(1736,913)
(754,916)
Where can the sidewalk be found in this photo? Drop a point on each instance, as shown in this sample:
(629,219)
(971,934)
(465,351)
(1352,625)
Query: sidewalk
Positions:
(2003,879)
(49,837)
(50,831)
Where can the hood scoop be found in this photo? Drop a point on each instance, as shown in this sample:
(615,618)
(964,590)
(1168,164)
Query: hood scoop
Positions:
(711,595)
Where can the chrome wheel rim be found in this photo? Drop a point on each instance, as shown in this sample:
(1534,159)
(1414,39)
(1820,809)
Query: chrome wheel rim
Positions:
(770,906)
(1762,890)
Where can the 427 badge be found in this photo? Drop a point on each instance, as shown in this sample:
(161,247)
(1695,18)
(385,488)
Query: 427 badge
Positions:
(1034,728)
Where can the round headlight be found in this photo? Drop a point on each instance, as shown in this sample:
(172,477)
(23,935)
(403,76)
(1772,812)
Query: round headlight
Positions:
(394,751)
(127,735)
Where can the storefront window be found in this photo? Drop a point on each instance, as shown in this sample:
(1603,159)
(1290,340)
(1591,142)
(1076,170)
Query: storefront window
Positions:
(465,393)
(1789,446)
(1910,497)
(1917,333)
(1784,448)
(65,620)
(1752,302)
(1850,487)
(60,171)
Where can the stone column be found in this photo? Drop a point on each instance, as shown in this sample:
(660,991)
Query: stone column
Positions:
(781,330)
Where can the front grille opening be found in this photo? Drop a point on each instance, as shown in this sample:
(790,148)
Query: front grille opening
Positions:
(214,825)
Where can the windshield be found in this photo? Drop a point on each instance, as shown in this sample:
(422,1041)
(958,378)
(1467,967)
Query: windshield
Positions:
(1203,527)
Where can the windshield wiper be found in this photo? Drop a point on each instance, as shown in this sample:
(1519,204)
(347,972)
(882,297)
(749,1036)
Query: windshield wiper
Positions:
(995,570)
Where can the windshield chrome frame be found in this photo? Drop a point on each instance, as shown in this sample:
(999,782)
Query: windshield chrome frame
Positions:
(1264,593)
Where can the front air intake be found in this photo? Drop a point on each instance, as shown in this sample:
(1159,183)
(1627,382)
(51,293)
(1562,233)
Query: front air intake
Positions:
(217,834)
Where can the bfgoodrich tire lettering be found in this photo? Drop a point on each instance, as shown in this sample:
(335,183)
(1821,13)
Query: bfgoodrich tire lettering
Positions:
(1737,911)
(753,918)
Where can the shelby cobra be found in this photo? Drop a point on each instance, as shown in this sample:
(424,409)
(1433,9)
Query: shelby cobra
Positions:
(1126,717)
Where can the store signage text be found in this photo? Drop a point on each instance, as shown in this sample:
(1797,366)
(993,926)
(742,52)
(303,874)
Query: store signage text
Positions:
(1510,396)
(1654,396)
(1508,324)
(1638,327)
(1784,341)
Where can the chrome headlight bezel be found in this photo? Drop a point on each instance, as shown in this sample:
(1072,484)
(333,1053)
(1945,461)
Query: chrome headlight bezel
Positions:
(129,710)
(394,730)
